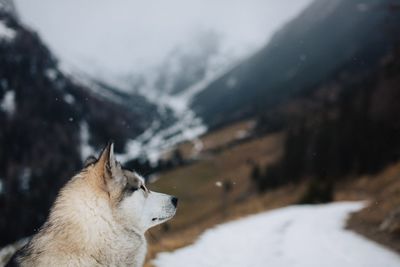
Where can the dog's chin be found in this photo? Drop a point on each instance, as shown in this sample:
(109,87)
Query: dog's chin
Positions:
(162,219)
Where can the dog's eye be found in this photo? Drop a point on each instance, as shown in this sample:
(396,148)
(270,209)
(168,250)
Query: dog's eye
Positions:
(131,189)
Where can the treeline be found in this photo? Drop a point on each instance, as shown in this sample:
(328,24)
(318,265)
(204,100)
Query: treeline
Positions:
(349,126)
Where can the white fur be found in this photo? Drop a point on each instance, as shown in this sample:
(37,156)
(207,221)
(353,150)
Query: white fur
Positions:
(99,219)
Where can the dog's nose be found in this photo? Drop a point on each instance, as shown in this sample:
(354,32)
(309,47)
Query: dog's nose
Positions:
(174,201)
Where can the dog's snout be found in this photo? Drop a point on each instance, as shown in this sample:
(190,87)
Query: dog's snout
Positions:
(174,201)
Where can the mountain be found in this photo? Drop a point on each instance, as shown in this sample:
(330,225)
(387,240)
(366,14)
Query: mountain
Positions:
(341,115)
(170,86)
(325,37)
(187,64)
(49,124)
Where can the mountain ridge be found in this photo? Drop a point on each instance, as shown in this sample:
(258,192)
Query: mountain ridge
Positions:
(303,53)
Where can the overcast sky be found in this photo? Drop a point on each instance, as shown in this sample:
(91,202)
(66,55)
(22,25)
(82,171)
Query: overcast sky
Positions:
(124,36)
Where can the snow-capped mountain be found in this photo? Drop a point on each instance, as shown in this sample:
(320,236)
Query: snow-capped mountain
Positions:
(326,36)
(199,53)
(171,87)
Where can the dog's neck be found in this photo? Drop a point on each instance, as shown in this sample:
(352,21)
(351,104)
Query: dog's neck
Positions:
(89,230)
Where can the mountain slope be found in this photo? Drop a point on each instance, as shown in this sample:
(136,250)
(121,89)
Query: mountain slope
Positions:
(326,36)
(49,124)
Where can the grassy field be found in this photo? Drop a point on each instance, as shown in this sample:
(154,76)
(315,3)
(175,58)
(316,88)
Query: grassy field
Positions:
(383,192)
(203,202)
(199,186)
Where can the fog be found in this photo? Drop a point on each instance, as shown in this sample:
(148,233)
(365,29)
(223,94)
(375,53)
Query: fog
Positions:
(103,37)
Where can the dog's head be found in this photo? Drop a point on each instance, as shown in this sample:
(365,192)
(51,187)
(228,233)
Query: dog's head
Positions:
(132,204)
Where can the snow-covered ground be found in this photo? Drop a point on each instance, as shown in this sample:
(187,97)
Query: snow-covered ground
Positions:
(297,236)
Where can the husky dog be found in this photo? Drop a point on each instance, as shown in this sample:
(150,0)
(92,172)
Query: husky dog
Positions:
(99,219)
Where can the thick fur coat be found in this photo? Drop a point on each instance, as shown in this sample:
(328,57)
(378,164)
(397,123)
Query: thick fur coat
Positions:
(98,219)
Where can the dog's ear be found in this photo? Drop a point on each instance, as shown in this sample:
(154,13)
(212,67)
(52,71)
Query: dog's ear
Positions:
(107,160)
(109,176)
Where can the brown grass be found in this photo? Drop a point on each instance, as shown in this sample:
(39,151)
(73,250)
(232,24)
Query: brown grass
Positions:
(177,238)
(203,204)
(197,185)
(383,192)
(216,139)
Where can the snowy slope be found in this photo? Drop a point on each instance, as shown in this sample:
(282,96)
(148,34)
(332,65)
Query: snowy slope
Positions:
(299,236)
(6,33)
(185,125)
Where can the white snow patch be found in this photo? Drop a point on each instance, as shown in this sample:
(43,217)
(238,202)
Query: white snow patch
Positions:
(155,141)
(69,99)
(86,149)
(51,74)
(6,33)
(188,127)
(25,179)
(297,236)
(241,134)
(198,146)
(8,102)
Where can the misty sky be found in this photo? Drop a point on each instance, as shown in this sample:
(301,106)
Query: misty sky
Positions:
(124,36)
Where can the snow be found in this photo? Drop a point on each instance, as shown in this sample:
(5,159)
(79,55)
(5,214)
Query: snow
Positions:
(82,78)
(7,104)
(122,64)
(86,149)
(187,127)
(241,134)
(164,135)
(296,236)
(154,142)
(51,74)
(6,33)
(25,179)
(158,139)
(69,99)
